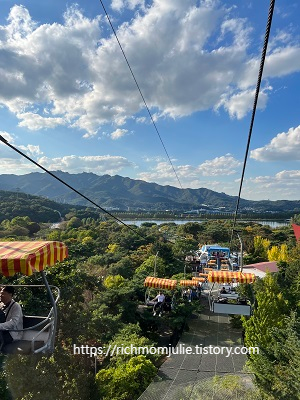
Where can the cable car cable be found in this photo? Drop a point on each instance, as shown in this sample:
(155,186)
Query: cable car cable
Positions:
(260,73)
(3,140)
(142,96)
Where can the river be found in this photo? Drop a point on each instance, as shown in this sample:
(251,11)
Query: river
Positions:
(272,224)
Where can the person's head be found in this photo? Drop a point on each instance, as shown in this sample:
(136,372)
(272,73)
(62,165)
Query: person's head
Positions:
(6,294)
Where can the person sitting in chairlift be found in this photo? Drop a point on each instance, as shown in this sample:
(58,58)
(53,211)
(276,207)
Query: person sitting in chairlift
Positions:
(11,317)
(159,299)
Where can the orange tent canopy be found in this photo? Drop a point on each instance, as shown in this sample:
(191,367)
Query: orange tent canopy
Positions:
(186,282)
(198,279)
(160,283)
(30,257)
(228,276)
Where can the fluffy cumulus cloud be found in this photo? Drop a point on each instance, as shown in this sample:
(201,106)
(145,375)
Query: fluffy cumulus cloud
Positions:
(118,133)
(189,175)
(283,147)
(7,136)
(9,156)
(11,161)
(97,164)
(71,74)
(119,5)
(225,165)
(283,185)
(31,149)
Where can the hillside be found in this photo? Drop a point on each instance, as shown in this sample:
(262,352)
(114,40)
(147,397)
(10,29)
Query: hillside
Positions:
(38,209)
(125,193)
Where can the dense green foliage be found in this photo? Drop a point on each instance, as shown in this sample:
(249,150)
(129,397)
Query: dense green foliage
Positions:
(102,297)
(38,209)
(275,328)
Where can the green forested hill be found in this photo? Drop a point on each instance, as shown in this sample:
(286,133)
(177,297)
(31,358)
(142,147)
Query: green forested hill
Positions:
(38,209)
(125,193)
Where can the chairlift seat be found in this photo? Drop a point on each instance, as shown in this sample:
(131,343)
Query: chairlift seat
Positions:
(32,339)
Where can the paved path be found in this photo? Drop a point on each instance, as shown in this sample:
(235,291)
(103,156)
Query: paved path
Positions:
(184,376)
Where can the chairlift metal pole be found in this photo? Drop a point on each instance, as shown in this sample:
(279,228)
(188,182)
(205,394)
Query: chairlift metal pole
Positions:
(53,303)
(155,264)
(241,250)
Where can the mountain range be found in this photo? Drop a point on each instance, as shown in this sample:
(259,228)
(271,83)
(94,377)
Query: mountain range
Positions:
(129,194)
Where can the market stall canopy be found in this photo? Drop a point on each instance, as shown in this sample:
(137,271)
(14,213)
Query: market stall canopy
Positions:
(229,276)
(160,283)
(30,257)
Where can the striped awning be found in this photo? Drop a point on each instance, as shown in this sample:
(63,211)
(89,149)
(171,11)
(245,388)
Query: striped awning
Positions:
(228,276)
(29,257)
(201,275)
(187,282)
(198,279)
(160,283)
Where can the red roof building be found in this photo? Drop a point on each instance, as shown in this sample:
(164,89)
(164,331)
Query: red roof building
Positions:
(261,269)
(296,231)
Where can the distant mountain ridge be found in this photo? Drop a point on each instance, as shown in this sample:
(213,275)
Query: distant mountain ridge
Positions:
(125,193)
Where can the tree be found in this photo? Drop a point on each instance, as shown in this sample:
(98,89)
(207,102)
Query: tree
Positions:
(113,281)
(278,253)
(148,266)
(270,310)
(296,219)
(126,381)
(74,222)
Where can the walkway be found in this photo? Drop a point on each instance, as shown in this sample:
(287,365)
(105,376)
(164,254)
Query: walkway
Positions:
(189,376)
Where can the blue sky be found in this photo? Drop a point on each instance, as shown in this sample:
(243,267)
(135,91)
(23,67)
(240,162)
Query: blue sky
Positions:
(68,100)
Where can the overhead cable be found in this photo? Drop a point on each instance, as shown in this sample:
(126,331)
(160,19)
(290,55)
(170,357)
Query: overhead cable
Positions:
(260,73)
(142,96)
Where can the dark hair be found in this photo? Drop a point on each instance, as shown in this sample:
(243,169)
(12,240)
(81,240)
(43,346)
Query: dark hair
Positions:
(9,289)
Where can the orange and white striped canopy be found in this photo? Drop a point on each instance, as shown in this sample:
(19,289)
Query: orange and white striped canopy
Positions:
(188,282)
(29,257)
(201,275)
(198,279)
(228,276)
(160,283)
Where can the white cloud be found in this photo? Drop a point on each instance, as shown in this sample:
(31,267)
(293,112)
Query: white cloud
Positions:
(283,147)
(35,122)
(283,185)
(96,164)
(32,149)
(188,175)
(11,165)
(7,136)
(224,165)
(69,73)
(118,133)
(119,5)
(238,105)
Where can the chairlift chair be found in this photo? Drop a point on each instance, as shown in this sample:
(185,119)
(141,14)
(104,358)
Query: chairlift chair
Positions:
(27,258)
(229,304)
(158,283)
